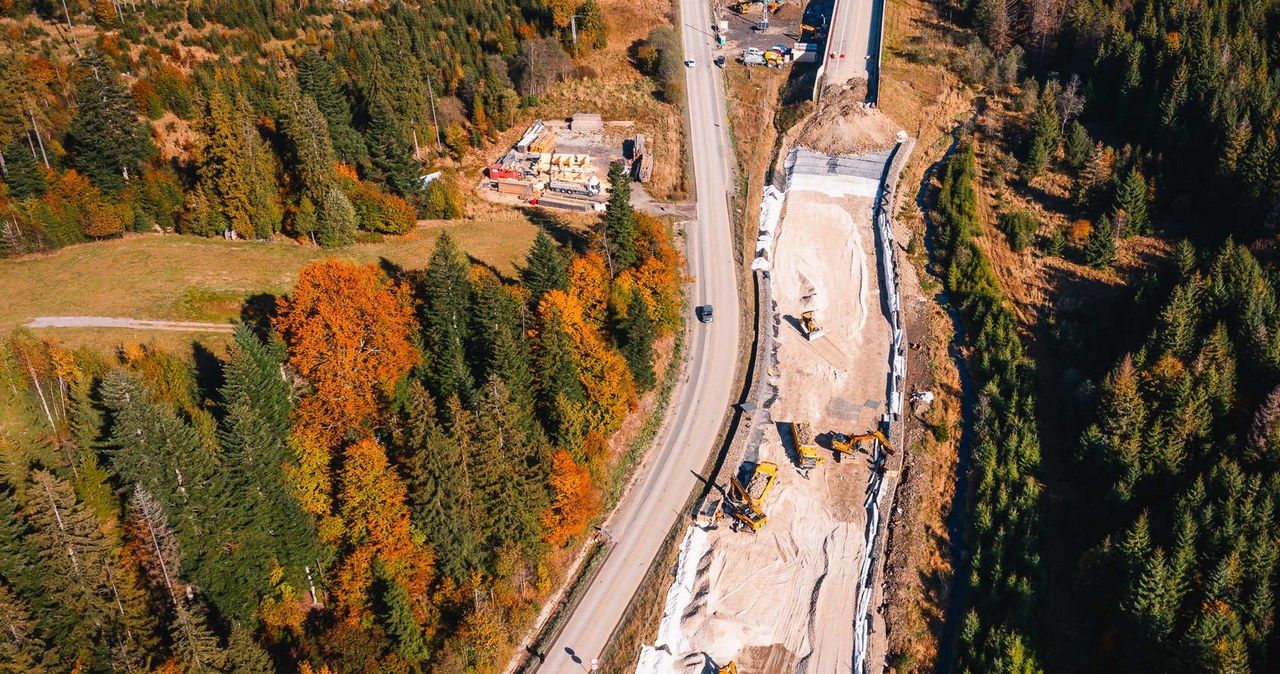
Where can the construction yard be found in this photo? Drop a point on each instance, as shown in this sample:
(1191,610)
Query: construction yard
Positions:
(784,598)
(565,164)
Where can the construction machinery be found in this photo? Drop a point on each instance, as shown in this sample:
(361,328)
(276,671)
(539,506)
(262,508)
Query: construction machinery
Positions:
(812,329)
(848,444)
(806,449)
(589,188)
(566,203)
(748,501)
(731,668)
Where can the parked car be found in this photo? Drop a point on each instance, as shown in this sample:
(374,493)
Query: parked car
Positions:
(704,313)
(690,63)
(720,61)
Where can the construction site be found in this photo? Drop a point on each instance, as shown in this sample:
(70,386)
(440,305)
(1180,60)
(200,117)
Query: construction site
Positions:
(773,578)
(564,164)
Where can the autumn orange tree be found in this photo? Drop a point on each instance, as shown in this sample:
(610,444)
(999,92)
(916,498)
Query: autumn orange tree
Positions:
(348,331)
(601,371)
(573,502)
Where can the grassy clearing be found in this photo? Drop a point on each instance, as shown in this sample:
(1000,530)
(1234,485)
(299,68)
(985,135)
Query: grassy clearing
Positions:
(189,278)
(752,101)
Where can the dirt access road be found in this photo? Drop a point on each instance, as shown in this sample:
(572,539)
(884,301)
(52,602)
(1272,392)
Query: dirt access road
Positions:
(667,476)
(133,323)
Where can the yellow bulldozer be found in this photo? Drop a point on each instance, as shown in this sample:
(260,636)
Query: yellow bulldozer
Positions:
(812,329)
(848,444)
(748,501)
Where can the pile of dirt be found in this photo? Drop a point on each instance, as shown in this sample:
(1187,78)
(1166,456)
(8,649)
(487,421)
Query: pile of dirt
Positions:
(844,125)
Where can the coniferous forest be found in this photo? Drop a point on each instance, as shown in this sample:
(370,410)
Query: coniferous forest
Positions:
(314,120)
(1125,489)
(372,480)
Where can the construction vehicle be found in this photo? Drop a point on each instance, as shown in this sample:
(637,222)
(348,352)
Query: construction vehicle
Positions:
(812,330)
(806,450)
(523,188)
(710,510)
(567,203)
(590,188)
(731,668)
(748,501)
(848,444)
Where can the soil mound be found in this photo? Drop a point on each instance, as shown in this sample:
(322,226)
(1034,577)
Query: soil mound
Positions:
(844,125)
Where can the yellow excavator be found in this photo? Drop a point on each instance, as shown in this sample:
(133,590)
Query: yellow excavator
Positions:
(849,443)
(812,330)
(745,6)
(747,501)
(731,668)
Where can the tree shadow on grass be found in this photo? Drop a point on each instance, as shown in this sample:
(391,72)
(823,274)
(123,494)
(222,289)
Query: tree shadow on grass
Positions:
(565,234)
(257,312)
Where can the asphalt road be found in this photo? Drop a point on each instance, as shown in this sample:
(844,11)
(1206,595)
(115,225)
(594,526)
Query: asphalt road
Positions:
(698,407)
(854,33)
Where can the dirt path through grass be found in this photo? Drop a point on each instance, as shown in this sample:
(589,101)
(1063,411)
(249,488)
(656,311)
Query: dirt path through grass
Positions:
(134,323)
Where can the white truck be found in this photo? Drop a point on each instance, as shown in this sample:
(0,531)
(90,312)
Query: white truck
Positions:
(590,188)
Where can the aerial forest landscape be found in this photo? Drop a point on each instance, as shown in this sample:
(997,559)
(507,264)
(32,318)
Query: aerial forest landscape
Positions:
(692,336)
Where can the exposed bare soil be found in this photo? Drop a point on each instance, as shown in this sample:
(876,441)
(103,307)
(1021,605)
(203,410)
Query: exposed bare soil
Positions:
(783,600)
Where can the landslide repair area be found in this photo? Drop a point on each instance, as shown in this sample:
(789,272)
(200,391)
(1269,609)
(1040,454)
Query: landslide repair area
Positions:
(783,599)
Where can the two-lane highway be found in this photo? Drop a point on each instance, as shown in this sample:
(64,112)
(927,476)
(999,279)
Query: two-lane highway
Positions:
(855,34)
(699,405)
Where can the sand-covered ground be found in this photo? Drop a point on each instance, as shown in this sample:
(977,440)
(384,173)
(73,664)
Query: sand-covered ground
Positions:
(783,600)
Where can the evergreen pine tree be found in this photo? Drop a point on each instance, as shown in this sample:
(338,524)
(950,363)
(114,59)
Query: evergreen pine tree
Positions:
(222,166)
(620,221)
(304,219)
(390,152)
(1100,249)
(18,556)
(505,473)
(25,176)
(74,557)
(1131,204)
(556,372)
(637,343)
(313,156)
(444,289)
(320,79)
(402,627)
(1045,134)
(439,202)
(151,446)
(21,649)
(244,655)
(259,521)
(438,482)
(1078,146)
(193,642)
(545,268)
(991,18)
(335,220)
(109,142)
(266,211)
